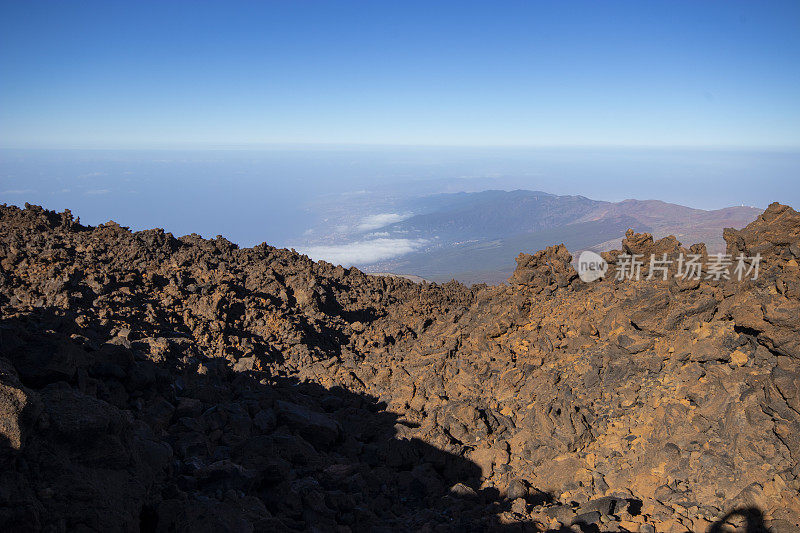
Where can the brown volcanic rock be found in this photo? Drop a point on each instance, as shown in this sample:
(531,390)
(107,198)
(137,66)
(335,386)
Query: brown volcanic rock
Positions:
(156,383)
(18,408)
(642,244)
(774,313)
(776,232)
(546,268)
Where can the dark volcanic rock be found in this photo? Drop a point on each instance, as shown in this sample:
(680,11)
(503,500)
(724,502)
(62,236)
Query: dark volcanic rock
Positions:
(316,428)
(154,383)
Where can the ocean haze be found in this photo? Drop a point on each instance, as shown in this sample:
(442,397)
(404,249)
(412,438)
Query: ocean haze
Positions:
(317,197)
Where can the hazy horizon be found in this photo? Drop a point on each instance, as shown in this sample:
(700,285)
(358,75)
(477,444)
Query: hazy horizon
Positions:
(283,121)
(251,196)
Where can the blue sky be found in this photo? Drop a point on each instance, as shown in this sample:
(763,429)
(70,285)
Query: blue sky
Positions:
(217,74)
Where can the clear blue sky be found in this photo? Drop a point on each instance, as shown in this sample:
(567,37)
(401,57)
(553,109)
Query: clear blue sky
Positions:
(168,73)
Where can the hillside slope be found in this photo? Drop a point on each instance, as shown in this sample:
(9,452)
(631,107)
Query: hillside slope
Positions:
(492,214)
(460,229)
(154,383)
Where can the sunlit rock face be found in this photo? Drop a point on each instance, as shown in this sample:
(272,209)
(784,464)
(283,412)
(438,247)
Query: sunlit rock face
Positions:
(155,383)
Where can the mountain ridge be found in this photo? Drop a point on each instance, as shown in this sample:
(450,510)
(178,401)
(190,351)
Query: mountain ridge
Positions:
(464,224)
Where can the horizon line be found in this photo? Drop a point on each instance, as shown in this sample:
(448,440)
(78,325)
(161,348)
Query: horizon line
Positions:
(267,146)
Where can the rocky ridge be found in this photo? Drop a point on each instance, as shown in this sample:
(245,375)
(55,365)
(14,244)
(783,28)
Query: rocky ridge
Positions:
(154,383)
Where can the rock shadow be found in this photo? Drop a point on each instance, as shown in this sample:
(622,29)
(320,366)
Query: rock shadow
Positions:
(99,434)
(103,430)
(744,520)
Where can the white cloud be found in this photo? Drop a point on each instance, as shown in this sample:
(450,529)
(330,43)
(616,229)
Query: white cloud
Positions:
(362,252)
(98,191)
(381,219)
(17,191)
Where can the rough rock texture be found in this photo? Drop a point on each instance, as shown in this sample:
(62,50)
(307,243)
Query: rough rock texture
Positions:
(154,383)
(545,270)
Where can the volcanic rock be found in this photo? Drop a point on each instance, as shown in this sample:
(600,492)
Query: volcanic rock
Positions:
(155,383)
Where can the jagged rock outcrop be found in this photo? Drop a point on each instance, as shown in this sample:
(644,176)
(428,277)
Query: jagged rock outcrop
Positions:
(546,269)
(775,233)
(154,383)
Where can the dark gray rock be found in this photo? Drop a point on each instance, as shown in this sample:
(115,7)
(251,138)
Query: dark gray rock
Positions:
(317,428)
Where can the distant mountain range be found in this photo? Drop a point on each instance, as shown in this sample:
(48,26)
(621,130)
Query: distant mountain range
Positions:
(474,237)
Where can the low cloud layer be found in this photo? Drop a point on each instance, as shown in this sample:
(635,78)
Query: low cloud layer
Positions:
(363,252)
(381,219)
